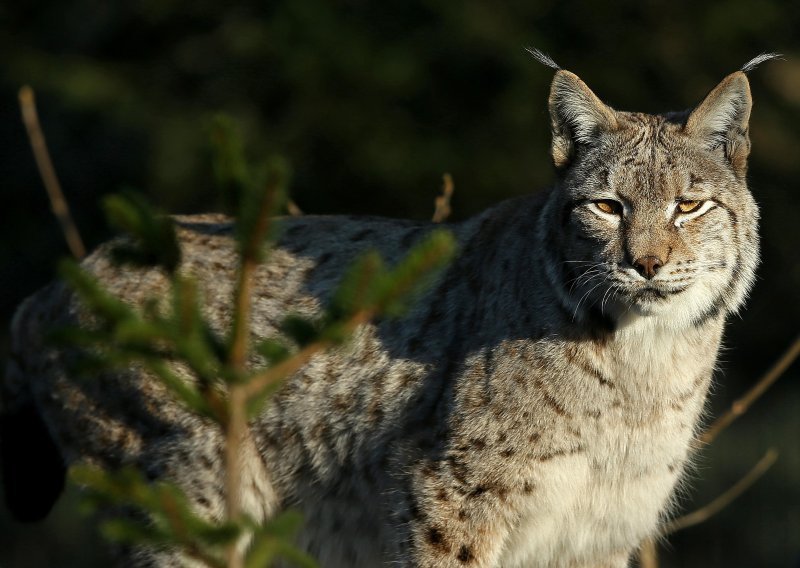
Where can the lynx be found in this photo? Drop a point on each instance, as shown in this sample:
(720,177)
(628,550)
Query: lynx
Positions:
(535,408)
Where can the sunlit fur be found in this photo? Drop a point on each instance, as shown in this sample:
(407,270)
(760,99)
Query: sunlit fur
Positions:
(535,408)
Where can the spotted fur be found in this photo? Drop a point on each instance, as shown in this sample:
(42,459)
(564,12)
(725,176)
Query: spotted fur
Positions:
(535,408)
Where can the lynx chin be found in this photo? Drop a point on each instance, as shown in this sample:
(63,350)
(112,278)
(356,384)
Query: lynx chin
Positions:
(535,408)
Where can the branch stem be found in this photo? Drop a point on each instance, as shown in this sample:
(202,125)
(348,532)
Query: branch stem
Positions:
(235,432)
(702,514)
(741,405)
(58,202)
(235,427)
(442,204)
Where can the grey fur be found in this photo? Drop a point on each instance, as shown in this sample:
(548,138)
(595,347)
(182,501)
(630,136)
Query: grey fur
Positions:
(536,408)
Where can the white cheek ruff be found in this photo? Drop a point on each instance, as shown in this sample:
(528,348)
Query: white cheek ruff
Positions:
(682,218)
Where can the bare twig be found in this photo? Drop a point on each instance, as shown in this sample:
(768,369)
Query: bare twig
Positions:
(702,514)
(741,405)
(293,209)
(648,554)
(442,211)
(58,203)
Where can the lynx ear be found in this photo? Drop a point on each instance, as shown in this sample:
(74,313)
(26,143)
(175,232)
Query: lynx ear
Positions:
(577,116)
(721,120)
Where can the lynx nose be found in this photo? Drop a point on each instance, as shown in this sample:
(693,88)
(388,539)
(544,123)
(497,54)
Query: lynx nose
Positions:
(647,266)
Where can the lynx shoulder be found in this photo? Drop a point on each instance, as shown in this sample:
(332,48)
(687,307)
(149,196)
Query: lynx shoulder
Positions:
(534,408)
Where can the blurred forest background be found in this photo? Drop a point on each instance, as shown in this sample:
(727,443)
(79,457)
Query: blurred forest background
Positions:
(371,102)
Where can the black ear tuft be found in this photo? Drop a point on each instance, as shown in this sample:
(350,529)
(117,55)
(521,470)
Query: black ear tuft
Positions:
(758,60)
(33,470)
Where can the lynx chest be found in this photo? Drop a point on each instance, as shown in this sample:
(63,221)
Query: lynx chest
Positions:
(630,412)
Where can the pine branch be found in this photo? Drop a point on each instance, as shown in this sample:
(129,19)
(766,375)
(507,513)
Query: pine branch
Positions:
(225,390)
(235,428)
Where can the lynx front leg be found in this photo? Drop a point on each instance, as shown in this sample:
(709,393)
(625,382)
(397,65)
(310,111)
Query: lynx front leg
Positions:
(446,542)
(456,523)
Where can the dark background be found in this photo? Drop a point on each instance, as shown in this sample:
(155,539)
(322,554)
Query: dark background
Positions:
(371,102)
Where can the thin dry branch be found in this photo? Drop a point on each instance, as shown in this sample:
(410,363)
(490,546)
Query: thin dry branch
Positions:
(293,209)
(702,514)
(648,554)
(741,405)
(58,203)
(442,211)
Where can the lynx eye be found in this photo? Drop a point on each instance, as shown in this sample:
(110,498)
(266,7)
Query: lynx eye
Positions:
(608,206)
(689,206)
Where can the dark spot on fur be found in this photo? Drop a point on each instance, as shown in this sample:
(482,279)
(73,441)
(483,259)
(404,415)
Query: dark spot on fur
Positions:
(478,443)
(478,491)
(437,539)
(319,431)
(458,469)
(507,453)
(527,488)
(341,403)
(298,248)
(695,179)
(465,554)
(295,230)
(413,510)
(409,238)
(554,404)
(361,235)
(551,455)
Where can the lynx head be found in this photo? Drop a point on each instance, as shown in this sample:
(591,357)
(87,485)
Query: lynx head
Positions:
(654,215)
